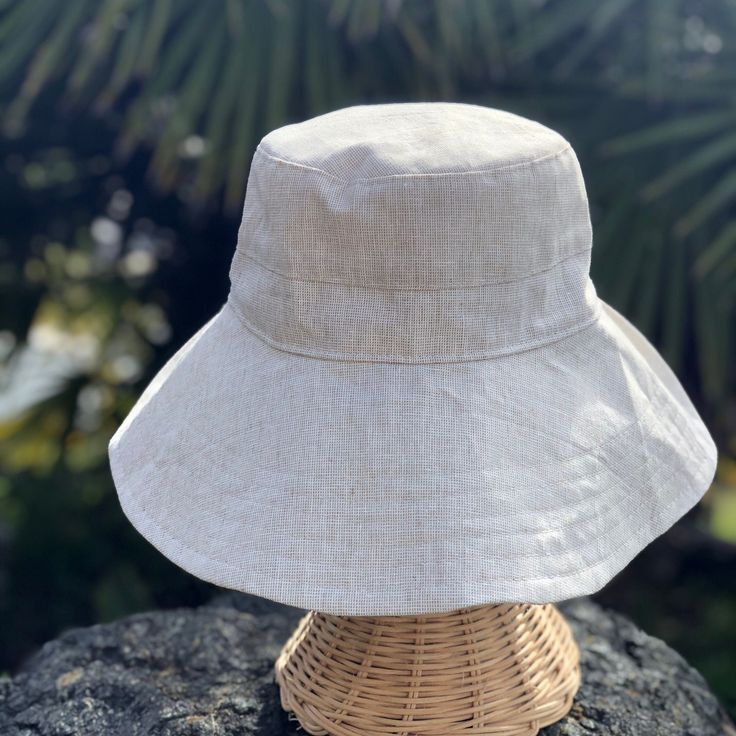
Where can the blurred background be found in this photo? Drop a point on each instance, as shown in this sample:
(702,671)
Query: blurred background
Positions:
(127,132)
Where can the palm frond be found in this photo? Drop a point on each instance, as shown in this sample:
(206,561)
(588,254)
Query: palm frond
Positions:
(714,153)
(720,196)
(199,82)
(680,130)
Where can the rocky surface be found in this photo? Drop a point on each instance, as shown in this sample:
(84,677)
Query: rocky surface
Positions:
(208,672)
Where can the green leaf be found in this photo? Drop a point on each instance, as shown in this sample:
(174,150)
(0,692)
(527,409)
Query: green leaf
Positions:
(157,26)
(102,34)
(605,15)
(52,50)
(122,71)
(721,247)
(714,153)
(723,514)
(718,197)
(221,121)
(672,131)
(286,34)
(551,26)
(242,144)
(675,305)
(713,338)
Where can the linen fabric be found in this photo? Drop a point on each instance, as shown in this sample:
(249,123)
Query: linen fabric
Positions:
(413,399)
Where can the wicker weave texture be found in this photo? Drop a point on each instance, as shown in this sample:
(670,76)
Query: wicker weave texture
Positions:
(498,669)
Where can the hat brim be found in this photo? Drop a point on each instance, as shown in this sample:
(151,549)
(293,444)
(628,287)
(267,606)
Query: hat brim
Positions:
(362,488)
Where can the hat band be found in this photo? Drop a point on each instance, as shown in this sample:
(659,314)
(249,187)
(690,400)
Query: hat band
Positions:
(348,322)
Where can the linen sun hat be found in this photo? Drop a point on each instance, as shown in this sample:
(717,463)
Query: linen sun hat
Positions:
(413,399)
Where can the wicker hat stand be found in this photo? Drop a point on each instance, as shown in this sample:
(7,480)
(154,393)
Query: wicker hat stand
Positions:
(497,669)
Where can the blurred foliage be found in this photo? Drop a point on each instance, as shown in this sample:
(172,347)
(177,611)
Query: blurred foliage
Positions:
(83,302)
(680,589)
(128,127)
(721,501)
(645,88)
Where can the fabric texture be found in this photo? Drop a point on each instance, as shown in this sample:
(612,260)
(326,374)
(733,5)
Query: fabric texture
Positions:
(413,399)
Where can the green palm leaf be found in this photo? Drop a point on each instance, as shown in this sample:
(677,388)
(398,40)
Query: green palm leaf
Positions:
(199,82)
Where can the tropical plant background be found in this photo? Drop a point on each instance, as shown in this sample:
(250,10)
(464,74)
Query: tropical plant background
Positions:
(127,131)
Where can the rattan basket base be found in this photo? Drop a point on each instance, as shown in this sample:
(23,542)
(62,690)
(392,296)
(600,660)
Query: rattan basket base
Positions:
(506,670)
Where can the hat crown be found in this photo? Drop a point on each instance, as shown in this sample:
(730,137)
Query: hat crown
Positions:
(395,232)
(376,141)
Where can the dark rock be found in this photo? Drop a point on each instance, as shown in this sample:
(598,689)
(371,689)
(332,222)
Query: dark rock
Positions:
(208,672)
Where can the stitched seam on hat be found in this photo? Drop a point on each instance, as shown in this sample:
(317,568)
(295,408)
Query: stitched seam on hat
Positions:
(414,360)
(430,289)
(632,539)
(416,175)
(617,498)
(700,474)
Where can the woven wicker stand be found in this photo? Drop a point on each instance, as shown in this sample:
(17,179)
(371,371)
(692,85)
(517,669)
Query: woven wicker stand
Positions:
(497,669)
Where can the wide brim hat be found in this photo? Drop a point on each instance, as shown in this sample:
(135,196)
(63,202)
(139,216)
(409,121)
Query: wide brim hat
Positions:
(413,400)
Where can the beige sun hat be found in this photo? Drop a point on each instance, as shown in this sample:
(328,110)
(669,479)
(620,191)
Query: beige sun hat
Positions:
(413,400)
